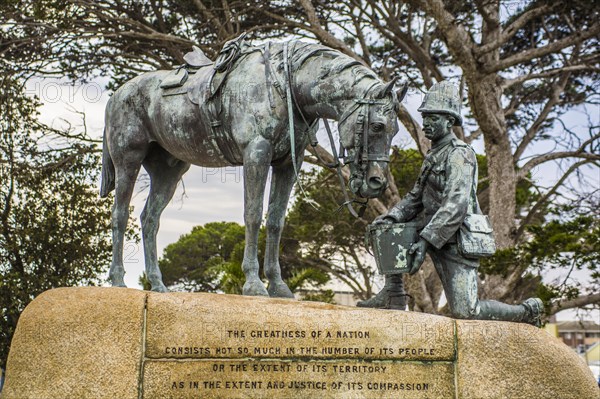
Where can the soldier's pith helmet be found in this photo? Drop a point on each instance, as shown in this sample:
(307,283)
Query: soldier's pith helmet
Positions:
(443,98)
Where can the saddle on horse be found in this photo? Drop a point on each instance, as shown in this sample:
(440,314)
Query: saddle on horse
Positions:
(201,79)
(196,59)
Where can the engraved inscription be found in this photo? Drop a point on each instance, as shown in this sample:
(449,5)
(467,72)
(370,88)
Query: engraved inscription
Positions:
(296,379)
(289,331)
(327,344)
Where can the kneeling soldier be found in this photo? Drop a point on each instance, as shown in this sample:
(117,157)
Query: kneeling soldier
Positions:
(443,196)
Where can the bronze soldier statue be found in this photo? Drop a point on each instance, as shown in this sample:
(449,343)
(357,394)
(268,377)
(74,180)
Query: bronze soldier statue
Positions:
(443,196)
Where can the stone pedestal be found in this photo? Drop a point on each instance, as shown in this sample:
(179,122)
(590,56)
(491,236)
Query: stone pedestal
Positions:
(123,343)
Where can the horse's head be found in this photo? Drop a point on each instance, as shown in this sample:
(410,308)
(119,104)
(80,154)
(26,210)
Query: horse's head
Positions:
(366,131)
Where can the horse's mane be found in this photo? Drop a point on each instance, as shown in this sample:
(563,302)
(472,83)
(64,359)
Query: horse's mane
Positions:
(300,52)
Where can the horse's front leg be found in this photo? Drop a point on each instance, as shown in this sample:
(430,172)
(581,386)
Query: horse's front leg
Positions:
(257,159)
(281,186)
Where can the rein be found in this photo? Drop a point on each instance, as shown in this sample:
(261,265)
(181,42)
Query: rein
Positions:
(338,167)
(360,154)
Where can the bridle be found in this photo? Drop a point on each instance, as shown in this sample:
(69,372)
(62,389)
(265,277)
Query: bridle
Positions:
(360,155)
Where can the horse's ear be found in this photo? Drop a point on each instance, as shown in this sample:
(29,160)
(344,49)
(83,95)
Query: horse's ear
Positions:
(387,88)
(400,93)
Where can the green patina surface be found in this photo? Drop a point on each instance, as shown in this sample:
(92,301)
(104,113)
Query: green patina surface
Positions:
(241,111)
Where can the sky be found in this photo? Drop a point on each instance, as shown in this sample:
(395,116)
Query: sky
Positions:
(211,194)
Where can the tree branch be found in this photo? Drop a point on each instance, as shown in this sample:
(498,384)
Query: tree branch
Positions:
(407,43)
(329,267)
(510,30)
(324,36)
(361,39)
(414,129)
(549,73)
(537,52)
(210,17)
(581,301)
(473,136)
(457,38)
(537,124)
(579,153)
(374,203)
(544,199)
(489,20)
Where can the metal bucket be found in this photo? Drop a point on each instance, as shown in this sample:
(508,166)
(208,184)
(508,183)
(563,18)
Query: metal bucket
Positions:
(390,243)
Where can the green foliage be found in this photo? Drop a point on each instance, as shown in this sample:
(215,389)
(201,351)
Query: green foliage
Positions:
(54,229)
(194,260)
(328,226)
(210,258)
(405,165)
(300,276)
(572,244)
(331,226)
(317,278)
(232,277)
(144,282)
(326,296)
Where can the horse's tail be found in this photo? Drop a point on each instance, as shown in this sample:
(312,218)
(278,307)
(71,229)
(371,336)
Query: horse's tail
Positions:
(108,170)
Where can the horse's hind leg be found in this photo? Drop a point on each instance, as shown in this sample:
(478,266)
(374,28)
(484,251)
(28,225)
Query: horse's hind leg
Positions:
(163,182)
(281,187)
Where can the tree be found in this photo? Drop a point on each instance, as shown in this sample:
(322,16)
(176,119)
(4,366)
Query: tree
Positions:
(54,230)
(522,68)
(568,245)
(194,261)
(209,259)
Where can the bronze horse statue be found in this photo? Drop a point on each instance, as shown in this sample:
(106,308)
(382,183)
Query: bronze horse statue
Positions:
(257,106)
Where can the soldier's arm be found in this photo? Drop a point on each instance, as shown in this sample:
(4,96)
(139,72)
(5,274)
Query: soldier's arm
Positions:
(459,182)
(408,207)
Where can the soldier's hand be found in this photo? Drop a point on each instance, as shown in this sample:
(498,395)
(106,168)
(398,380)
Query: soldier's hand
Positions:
(416,255)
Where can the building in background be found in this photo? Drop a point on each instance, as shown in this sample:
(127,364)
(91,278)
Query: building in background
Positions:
(579,335)
(583,336)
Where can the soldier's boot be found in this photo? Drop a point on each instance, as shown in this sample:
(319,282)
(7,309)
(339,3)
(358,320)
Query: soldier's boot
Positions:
(391,296)
(530,311)
(534,308)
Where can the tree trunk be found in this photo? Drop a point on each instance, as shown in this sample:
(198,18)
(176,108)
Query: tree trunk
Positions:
(485,97)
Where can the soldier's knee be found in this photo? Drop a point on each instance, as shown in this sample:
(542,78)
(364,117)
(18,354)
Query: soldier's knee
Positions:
(464,312)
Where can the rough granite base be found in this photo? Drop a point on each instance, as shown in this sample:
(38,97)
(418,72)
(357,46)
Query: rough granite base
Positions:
(95,342)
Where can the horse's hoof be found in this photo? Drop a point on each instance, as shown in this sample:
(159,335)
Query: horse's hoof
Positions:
(120,285)
(280,290)
(159,288)
(117,282)
(254,288)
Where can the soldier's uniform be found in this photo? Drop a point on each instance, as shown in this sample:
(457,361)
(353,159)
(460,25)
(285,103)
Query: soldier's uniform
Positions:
(440,201)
